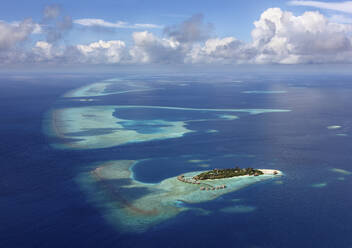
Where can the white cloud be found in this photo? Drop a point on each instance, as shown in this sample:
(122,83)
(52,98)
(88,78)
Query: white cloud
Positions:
(337,6)
(151,49)
(102,52)
(43,50)
(281,37)
(91,22)
(226,50)
(13,33)
(46,52)
(278,37)
(37,28)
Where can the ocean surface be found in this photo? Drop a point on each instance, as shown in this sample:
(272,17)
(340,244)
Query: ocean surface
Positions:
(173,124)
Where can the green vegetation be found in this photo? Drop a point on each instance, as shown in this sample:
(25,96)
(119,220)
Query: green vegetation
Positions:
(226,173)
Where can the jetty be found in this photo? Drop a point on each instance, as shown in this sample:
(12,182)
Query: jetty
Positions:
(204,187)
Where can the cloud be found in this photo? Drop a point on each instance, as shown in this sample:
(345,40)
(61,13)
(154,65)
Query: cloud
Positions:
(151,49)
(278,37)
(340,19)
(102,52)
(92,22)
(337,6)
(13,33)
(192,30)
(55,24)
(51,11)
(175,47)
(226,50)
(281,37)
(43,52)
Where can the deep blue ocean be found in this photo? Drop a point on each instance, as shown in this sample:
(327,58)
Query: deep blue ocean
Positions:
(43,206)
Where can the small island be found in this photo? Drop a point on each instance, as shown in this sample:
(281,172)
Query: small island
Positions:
(203,178)
(226,173)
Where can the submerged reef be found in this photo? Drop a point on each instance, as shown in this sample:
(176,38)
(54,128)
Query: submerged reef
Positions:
(334,127)
(96,89)
(319,185)
(238,209)
(134,206)
(342,171)
(98,126)
(264,91)
(106,87)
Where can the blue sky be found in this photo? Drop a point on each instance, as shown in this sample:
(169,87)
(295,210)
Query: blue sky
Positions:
(125,20)
(229,17)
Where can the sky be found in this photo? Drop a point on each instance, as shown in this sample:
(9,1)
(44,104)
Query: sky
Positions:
(147,32)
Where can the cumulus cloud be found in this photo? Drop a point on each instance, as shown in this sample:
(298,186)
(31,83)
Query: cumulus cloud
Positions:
(337,6)
(192,30)
(151,49)
(37,29)
(92,22)
(102,52)
(44,52)
(277,37)
(281,37)
(13,33)
(217,50)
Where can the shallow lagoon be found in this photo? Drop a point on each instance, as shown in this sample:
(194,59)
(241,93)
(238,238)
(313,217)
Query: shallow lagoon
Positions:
(159,201)
(99,126)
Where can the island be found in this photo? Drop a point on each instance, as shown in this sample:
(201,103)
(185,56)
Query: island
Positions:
(134,206)
(217,174)
(226,173)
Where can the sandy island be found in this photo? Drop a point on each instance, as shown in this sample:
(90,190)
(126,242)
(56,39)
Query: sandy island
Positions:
(134,206)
